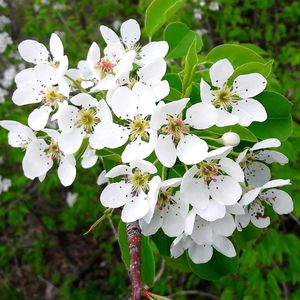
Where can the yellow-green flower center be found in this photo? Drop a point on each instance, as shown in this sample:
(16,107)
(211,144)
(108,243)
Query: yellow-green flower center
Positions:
(139,181)
(165,198)
(53,150)
(208,170)
(139,128)
(88,119)
(176,127)
(223,97)
(53,97)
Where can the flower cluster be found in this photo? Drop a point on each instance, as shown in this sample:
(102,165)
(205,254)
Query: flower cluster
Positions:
(169,176)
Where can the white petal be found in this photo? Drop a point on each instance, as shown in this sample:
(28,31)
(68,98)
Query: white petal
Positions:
(89,158)
(200,254)
(191,149)
(276,183)
(130,32)
(70,142)
(161,89)
(202,233)
(224,246)
(93,56)
(27,94)
(172,182)
(249,85)
(202,115)
(218,153)
(116,194)
(174,108)
(213,211)
(18,128)
(123,103)
(68,117)
(226,118)
(232,169)
(33,52)
(52,133)
(25,76)
(235,209)
(205,92)
(165,150)
(268,143)
(135,209)
(248,111)
(220,72)
(67,170)
(257,174)
(225,226)
(85,100)
(242,156)
(190,222)
(158,118)
(109,35)
(271,156)
(108,134)
(153,71)
(144,166)
(155,223)
(152,51)
(104,112)
(250,196)
(179,245)
(38,118)
(102,178)
(56,47)
(118,171)
(281,201)
(36,162)
(137,150)
(257,216)
(225,190)
(242,221)
(124,66)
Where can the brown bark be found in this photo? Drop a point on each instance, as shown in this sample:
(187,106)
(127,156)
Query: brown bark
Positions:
(134,240)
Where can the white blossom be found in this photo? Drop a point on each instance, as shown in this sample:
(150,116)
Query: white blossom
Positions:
(71,199)
(5,40)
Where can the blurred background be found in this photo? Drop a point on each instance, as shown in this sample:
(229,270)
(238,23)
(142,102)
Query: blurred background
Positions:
(43,252)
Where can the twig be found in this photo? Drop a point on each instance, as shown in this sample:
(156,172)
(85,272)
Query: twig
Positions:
(134,240)
(160,272)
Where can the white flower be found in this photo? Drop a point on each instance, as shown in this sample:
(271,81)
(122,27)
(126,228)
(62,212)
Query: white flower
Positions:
(89,158)
(40,85)
(4,21)
(213,184)
(175,139)
(167,211)
(5,184)
(8,77)
(134,192)
(135,107)
(234,103)
(253,160)
(108,73)
(2,3)
(230,139)
(255,200)
(3,94)
(36,53)
(102,179)
(205,237)
(71,198)
(77,122)
(130,35)
(214,6)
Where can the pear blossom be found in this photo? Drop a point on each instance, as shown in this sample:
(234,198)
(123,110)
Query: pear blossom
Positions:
(5,184)
(40,85)
(205,237)
(213,184)
(102,179)
(174,137)
(234,104)
(130,35)
(89,158)
(134,192)
(36,53)
(78,121)
(255,200)
(253,161)
(134,106)
(71,199)
(167,211)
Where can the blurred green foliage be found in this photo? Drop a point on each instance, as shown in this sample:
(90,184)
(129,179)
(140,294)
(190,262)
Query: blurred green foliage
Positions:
(43,252)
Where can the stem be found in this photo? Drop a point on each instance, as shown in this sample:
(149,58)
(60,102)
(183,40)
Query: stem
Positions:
(134,241)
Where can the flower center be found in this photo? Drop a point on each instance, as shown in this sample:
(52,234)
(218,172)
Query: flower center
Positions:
(53,150)
(165,198)
(52,97)
(176,127)
(105,66)
(139,127)
(208,170)
(224,97)
(88,119)
(139,181)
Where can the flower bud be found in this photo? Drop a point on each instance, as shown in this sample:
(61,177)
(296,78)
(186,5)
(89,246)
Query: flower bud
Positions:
(230,139)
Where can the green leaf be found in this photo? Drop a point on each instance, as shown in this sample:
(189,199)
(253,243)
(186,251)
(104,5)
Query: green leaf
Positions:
(279,122)
(191,63)
(148,262)
(179,263)
(159,12)
(252,67)
(236,54)
(174,81)
(180,39)
(162,242)
(216,268)
(147,257)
